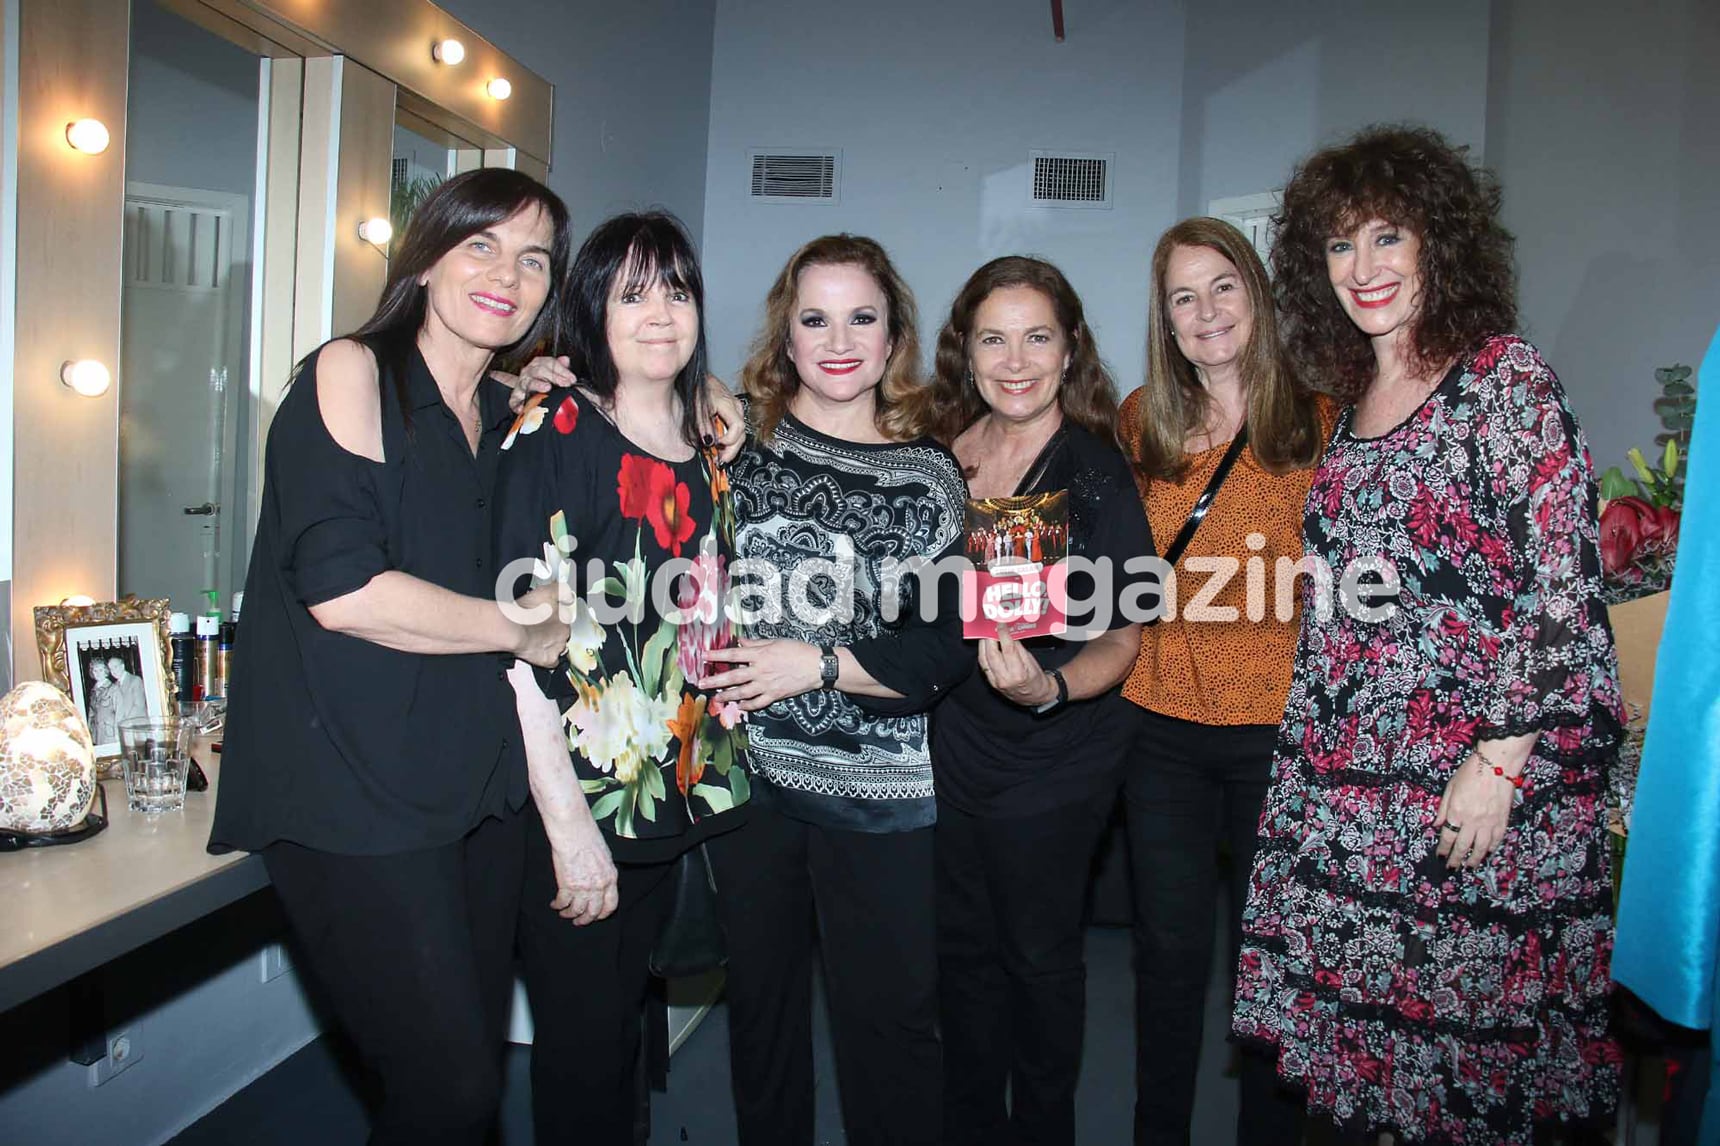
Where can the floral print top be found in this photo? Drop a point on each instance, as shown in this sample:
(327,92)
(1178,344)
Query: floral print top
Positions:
(1446,1006)
(644,545)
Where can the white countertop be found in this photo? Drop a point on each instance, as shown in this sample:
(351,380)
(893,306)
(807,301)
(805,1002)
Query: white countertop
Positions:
(142,877)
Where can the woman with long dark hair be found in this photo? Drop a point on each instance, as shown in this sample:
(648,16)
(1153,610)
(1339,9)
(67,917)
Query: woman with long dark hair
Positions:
(1028,752)
(1429,915)
(609,488)
(372,747)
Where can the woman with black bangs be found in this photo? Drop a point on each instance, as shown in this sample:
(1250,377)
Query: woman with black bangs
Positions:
(1429,917)
(631,761)
(372,750)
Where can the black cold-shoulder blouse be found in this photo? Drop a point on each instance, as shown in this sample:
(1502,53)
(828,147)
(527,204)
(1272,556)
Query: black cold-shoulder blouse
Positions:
(334,742)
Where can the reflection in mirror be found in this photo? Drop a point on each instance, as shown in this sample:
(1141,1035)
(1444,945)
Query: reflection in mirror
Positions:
(191,168)
(424,155)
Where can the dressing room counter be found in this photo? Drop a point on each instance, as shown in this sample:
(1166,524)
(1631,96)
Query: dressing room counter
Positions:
(67,910)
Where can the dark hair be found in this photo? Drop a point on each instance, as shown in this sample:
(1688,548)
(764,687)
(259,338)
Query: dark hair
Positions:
(458,209)
(770,376)
(1085,396)
(1282,419)
(636,248)
(1413,178)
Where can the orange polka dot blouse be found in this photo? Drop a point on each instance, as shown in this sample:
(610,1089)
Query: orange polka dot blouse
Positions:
(1223,671)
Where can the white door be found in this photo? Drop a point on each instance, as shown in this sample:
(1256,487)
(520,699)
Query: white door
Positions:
(182,388)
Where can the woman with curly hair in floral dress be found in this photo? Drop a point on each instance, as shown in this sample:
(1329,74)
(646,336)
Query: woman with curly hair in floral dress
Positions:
(1428,927)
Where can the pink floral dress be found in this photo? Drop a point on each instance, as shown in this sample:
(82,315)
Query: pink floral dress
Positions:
(1447,1007)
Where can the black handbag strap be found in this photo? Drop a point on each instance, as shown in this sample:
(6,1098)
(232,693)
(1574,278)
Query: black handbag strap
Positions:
(1204,502)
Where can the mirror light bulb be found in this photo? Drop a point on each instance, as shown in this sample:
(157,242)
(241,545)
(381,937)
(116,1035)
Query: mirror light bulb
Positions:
(86,376)
(449,52)
(78,600)
(499,88)
(89,136)
(376,231)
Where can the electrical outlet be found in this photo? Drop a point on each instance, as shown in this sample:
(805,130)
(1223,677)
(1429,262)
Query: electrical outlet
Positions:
(124,1047)
(275,962)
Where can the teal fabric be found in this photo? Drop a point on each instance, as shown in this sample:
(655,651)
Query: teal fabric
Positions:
(1669,915)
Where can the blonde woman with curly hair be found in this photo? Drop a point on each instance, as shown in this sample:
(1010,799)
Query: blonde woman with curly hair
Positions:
(837,483)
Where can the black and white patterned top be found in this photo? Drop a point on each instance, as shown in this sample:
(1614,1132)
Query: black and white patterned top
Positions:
(822,523)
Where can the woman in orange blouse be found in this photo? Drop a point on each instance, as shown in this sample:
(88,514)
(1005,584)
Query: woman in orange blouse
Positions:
(1213,674)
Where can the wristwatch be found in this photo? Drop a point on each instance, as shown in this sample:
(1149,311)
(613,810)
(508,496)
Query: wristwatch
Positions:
(828,667)
(1062,691)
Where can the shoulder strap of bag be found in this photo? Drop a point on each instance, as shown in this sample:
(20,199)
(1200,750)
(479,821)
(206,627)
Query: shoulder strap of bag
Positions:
(1204,502)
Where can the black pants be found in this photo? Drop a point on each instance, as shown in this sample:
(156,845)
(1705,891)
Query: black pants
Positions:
(1012,969)
(415,954)
(870,895)
(1189,786)
(587,989)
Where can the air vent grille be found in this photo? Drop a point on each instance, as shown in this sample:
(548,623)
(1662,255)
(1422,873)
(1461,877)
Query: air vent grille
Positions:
(795,176)
(1063,180)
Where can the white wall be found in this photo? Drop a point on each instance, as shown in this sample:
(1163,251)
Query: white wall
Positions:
(191,107)
(1266,82)
(632,96)
(935,108)
(1605,130)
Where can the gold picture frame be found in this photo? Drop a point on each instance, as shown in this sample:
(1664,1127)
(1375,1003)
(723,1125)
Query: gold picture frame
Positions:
(88,651)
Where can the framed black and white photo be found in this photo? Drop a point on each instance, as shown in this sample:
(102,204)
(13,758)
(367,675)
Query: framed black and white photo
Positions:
(111,658)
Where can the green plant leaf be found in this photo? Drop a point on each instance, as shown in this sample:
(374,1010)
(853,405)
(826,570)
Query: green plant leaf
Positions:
(1615,484)
(1669,462)
(1678,389)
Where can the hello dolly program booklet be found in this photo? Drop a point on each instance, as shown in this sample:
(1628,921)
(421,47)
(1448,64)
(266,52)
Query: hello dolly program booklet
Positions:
(1017,546)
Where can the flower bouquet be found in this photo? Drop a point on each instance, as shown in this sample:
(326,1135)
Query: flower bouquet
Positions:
(1640,511)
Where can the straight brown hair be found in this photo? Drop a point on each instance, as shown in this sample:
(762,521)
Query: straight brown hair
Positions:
(1283,419)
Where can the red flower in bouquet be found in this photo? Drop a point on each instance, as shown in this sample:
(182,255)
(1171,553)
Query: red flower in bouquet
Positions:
(1627,528)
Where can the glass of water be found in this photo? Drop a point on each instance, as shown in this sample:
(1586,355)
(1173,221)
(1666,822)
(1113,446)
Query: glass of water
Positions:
(157,757)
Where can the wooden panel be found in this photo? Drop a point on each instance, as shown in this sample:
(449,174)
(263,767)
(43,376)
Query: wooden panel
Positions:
(393,39)
(272,357)
(346,156)
(71,209)
(361,192)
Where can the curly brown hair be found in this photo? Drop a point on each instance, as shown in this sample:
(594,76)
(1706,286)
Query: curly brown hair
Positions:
(770,376)
(1413,178)
(1283,420)
(1086,395)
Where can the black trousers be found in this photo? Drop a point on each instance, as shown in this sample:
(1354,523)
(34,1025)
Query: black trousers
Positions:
(587,986)
(870,897)
(1012,969)
(415,954)
(1188,786)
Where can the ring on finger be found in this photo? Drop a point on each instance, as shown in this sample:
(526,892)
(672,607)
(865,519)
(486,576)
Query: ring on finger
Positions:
(1448,826)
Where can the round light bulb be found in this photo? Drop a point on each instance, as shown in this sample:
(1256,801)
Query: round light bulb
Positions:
(86,376)
(89,136)
(499,88)
(376,231)
(449,52)
(77,599)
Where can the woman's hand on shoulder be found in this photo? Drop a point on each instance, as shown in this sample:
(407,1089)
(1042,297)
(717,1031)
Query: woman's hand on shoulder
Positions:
(730,431)
(349,398)
(539,376)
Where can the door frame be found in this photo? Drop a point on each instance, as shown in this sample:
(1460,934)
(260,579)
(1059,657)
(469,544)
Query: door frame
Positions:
(234,521)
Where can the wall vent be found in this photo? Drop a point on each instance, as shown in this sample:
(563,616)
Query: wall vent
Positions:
(803,175)
(1064,179)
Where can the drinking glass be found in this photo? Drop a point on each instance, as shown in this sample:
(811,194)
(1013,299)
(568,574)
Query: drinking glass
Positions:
(157,757)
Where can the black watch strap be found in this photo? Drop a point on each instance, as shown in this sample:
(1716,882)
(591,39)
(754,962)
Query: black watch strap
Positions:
(828,667)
